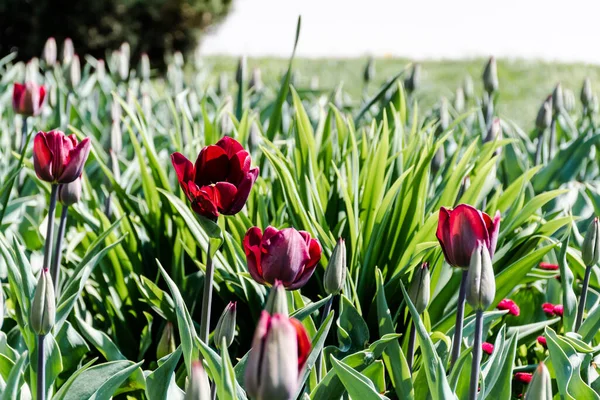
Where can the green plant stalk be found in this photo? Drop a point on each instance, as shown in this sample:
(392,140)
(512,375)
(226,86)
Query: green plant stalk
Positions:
(538,150)
(207,297)
(552,141)
(56,260)
(24,132)
(584,290)
(490,114)
(476,365)
(50,229)
(41,369)
(326,311)
(460,313)
(411,346)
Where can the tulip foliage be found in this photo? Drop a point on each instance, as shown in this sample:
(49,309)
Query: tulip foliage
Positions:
(193,174)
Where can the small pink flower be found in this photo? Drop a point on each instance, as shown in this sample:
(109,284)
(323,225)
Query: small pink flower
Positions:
(548,309)
(523,377)
(542,340)
(559,310)
(509,305)
(487,348)
(549,266)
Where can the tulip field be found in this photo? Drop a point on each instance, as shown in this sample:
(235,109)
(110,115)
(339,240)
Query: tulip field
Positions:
(187,234)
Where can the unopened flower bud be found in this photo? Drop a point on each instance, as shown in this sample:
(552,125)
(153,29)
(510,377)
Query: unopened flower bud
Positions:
(43,307)
(335,274)
(459,100)
(481,284)
(277,300)
(569,100)
(68,51)
(558,100)
(100,70)
(495,131)
(490,76)
(166,344)
(70,193)
(123,66)
(590,249)
(420,287)
(540,387)
(412,81)
(468,87)
(486,103)
(178,59)
(50,51)
(369,72)
(145,66)
(256,82)
(226,326)
(198,387)
(587,93)
(241,72)
(544,116)
(75,72)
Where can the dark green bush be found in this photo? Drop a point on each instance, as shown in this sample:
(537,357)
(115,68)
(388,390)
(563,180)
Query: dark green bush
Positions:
(152,26)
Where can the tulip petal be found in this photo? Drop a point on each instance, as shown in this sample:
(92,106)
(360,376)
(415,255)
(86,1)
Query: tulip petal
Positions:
(42,96)
(243,191)
(252,248)
(224,195)
(314,250)
(252,373)
(183,167)
(285,258)
(18,92)
(493,232)
(212,166)
(42,158)
(239,165)
(442,234)
(303,343)
(230,146)
(203,200)
(466,230)
(75,161)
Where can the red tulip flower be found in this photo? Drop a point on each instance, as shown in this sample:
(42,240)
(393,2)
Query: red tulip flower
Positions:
(523,377)
(28,98)
(552,310)
(221,179)
(542,340)
(549,266)
(511,306)
(287,255)
(460,230)
(58,158)
(488,348)
(559,310)
(279,351)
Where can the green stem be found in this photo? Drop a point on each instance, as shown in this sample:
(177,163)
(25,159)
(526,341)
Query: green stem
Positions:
(552,144)
(56,260)
(411,345)
(460,312)
(207,297)
(24,133)
(50,229)
(41,369)
(538,150)
(476,365)
(584,289)
(326,311)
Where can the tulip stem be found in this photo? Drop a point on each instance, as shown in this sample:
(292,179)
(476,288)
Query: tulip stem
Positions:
(41,369)
(207,298)
(460,312)
(411,345)
(582,298)
(552,141)
(56,260)
(538,150)
(476,365)
(24,132)
(326,312)
(50,228)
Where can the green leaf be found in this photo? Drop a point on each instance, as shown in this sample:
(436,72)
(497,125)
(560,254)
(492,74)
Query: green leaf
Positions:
(569,300)
(15,379)
(358,385)
(156,387)
(226,389)
(305,311)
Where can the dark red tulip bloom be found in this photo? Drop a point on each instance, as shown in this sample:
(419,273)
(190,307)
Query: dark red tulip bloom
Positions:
(549,266)
(542,340)
(460,230)
(549,309)
(488,348)
(58,158)
(287,255)
(221,179)
(523,377)
(509,305)
(28,98)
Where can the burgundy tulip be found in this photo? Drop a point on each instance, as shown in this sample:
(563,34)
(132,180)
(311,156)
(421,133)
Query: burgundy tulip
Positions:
(523,377)
(279,351)
(28,98)
(488,348)
(509,305)
(58,158)
(549,266)
(542,340)
(287,255)
(221,179)
(461,229)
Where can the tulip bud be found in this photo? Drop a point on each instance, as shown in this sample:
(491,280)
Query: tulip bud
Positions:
(70,193)
(100,70)
(178,59)
(486,103)
(468,87)
(411,83)
(256,82)
(420,287)
(166,344)
(146,105)
(43,307)
(587,94)
(495,131)
(240,74)
(459,100)
(335,274)
(198,387)
(50,51)
(226,326)
(590,249)
(558,101)
(145,66)
(569,99)
(68,51)
(123,61)
(540,387)
(481,284)
(75,72)
(544,116)
(490,76)
(369,72)
(277,300)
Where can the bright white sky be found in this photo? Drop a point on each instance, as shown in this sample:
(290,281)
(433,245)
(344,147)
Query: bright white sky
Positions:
(419,29)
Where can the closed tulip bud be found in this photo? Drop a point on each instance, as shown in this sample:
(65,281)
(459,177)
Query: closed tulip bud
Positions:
(198,386)
(490,76)
(43,307)
(145,66)
(241,72)
(369,73)
(123,61)
(146,105)
(100,70)
(540,387)
(256,82)
(75,72)
(590,249)
(468,87)
(459,100)
(70,193)
(28,99)
(420,287)
(277,300)
(481,284)
(587,94)
(335,274)
(486,103)
(178,59)
(544,116)
(558,99)
(50,51)
(412,81)
(166,344)
(68,51)
(279,351)
(569,98)
(495,131)
(226,326)
(58,158)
